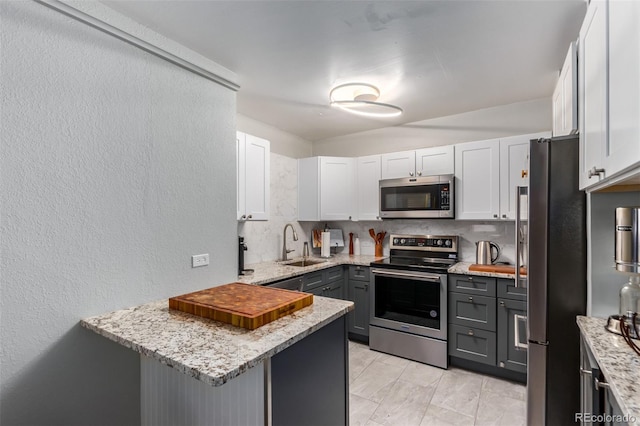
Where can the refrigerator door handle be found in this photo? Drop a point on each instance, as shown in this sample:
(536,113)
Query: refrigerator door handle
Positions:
(519,346)
(520,191)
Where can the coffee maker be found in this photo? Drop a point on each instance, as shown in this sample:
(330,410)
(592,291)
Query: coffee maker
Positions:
(627,261)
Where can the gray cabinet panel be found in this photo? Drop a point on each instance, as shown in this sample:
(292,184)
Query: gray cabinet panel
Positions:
(325,282)
(507,289)
(360,273)
(334,290)
(313,280)
(472,284)
(358,293)
(311,386)
(472,311)
(509,356)
(472,344)
(335,273)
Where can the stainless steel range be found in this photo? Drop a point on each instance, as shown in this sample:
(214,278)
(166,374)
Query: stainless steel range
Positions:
(409,298)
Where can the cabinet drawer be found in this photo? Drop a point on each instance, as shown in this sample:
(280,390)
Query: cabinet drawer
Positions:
(506,289)
(472,311)
(334,273)
(312,280)
(359,273)
(472,284)
(472,344)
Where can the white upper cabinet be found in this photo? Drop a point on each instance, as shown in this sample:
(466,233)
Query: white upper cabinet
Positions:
(435,161)
(253,178)
(423,162)
(609,90)
(514,170)
(487,174)
(326,188)
(565,96)
(624,86)
(592,93)
(398,165)
(367,187)
(477,183)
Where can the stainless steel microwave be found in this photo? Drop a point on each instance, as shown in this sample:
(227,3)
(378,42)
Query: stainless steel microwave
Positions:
(421,197)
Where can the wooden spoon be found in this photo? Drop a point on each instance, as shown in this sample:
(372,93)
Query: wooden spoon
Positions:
(372,233)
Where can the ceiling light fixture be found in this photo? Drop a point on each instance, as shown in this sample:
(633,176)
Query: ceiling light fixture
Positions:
(361,99)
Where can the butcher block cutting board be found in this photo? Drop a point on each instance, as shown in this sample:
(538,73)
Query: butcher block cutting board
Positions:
(243,305)
(498,269)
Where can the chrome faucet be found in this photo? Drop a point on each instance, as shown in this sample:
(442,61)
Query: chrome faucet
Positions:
(284,240)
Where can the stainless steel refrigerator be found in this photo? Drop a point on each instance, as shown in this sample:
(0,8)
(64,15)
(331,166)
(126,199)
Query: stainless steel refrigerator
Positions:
(557,280)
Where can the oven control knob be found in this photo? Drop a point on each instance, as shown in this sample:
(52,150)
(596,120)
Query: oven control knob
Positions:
(439,242)
(447,243)
(402,241)
(395,240)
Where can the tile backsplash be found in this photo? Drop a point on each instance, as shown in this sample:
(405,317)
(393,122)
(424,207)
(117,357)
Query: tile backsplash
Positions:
(264,238)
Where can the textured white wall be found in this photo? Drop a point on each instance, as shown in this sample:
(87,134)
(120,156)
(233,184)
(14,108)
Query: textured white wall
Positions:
(115,168)
(506,120)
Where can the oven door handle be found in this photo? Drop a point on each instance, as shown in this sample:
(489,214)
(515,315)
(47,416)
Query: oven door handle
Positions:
(408,275)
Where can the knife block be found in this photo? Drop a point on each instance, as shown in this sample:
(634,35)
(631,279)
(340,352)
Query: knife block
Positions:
(379,249)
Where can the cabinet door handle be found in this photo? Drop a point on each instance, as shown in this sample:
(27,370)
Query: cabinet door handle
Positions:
(470,278)
(585,372)
(243,217)
(516,332)
(470,332)
(504,216)
(495,216)
(470,299)
(502,303)
(250,216)
(600,385)
(419,173)
(593,172)
(410,173)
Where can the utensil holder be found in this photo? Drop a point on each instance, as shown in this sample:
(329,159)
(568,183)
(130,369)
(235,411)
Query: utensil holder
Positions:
(379,249)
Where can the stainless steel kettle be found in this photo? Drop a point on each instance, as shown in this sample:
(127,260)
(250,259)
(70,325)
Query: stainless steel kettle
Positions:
(484,252)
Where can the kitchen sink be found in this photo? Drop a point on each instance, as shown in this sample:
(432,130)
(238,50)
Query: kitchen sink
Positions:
(304,262)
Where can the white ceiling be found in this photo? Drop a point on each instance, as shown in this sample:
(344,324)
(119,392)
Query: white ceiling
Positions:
(432,58)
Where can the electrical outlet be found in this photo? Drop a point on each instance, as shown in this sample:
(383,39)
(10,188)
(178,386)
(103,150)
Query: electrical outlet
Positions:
(199,260)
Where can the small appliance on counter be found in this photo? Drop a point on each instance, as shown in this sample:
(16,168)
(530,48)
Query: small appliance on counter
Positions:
(627,261)
(484,252)
(242,247)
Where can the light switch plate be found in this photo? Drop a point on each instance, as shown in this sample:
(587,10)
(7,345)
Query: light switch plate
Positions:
(198,260)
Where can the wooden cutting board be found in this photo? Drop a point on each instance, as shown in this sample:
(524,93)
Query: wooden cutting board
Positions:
(499,269)
(243,305)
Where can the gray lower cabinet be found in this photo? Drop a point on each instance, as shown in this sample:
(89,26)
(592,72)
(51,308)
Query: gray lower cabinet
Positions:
(512,335)
(326,282)
(472,311)
(486,316)
(472,344)
(358,293)
(596,398)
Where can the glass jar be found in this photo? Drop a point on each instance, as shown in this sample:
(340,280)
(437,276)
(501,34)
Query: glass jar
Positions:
(630,296)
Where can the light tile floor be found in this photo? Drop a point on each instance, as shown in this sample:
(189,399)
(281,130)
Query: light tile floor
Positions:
(387,390)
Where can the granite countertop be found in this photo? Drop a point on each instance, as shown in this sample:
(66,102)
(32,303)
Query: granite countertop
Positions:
(618,362)
(463,268)
(207,350)
(267,272)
